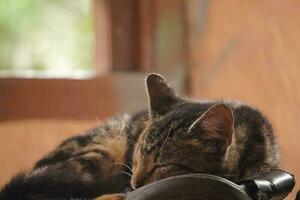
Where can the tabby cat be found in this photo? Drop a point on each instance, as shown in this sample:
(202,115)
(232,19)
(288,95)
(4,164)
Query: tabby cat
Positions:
(174,136)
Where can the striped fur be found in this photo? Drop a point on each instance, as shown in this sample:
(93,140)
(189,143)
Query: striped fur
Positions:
(175,136)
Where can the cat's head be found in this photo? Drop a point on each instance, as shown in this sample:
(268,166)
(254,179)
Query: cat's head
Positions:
(181,136)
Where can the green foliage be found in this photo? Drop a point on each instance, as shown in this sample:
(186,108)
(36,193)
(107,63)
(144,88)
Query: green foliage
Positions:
(36,35)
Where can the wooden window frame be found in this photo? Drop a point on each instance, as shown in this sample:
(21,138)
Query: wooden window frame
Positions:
(126,40)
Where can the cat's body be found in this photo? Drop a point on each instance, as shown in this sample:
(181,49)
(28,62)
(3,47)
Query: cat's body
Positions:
(84,166)
(176,136)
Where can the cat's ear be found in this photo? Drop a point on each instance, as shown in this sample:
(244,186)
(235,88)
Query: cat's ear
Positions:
(216,124)
(160,94)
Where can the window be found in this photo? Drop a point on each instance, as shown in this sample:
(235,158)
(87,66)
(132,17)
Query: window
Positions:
(45,44)
(49,38)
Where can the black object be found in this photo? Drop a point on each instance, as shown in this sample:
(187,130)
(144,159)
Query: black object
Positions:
(298,195)
(273,185)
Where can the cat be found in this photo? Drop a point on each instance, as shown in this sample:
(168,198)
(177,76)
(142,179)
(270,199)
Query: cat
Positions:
(174,136)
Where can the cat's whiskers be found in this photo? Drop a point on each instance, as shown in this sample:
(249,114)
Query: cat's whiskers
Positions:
(131,141)
(127,166)
(126,173)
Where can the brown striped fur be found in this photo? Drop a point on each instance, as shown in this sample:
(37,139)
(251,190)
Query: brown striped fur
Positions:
(225,138)
(175,136)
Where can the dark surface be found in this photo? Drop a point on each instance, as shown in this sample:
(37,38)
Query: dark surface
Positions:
(298,195)
(273,185)
(190,187)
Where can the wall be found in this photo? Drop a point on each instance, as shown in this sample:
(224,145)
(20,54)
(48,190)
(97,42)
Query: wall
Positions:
(250,50)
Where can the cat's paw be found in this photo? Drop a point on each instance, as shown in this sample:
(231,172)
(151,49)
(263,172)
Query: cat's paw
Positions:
(111,197)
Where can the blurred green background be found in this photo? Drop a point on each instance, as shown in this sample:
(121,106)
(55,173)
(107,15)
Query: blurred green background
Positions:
(30,31)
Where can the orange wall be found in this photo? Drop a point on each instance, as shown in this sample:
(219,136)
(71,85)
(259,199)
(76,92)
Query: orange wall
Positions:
(250,50)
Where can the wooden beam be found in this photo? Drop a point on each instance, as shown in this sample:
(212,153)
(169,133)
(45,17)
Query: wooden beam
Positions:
(102,35)
(88,99)
(125,35)
(62,98)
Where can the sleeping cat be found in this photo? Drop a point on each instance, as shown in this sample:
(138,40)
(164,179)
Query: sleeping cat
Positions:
(174,136)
